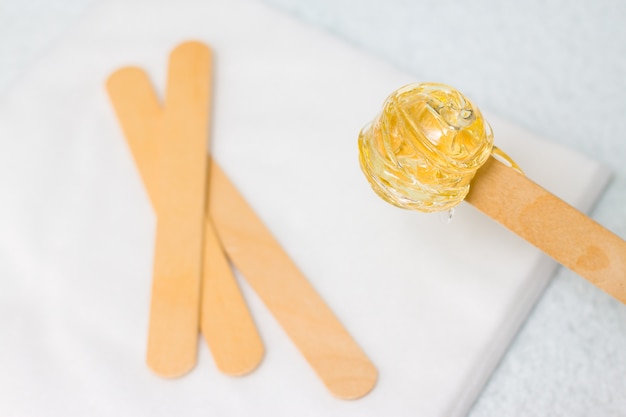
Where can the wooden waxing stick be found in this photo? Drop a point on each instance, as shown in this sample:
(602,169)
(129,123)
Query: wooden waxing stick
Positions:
(224,317)
(178,194)
(552,225)
(323,341)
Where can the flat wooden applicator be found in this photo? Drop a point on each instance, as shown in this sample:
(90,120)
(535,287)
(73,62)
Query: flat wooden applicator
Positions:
(304,316)
(324,342)
(224,317)
(552,225)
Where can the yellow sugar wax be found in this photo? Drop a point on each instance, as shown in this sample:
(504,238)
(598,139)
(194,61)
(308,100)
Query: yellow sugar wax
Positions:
(423,149)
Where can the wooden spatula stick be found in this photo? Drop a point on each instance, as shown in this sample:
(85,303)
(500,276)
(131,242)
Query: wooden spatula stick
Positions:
(224,317)
(225,320)
(180,198)
(552,225)
(314,329)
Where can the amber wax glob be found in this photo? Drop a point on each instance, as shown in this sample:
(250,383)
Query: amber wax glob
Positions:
(423,149)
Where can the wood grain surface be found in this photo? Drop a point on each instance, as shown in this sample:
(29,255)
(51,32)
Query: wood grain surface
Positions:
(552,225)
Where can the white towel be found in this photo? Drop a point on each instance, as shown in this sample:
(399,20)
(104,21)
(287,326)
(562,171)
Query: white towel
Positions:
(434,305)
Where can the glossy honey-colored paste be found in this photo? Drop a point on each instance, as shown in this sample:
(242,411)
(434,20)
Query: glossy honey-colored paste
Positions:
(423,149)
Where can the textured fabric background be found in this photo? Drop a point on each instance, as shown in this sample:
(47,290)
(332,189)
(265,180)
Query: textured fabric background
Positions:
(557,68)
